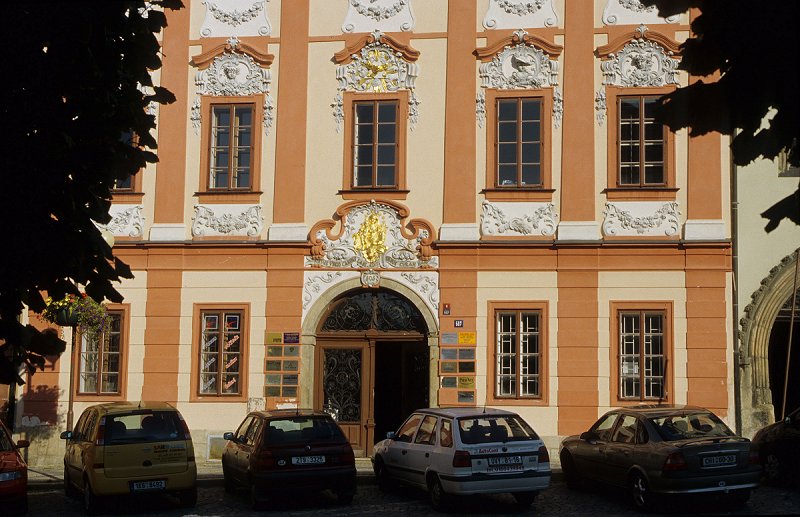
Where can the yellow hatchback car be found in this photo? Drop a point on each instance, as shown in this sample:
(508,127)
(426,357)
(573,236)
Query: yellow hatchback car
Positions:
(129,448)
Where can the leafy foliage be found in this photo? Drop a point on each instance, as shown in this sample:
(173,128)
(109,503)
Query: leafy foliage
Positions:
(751,45)
(86,314)
(81,81)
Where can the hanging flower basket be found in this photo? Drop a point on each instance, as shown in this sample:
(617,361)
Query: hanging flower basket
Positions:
(77,311)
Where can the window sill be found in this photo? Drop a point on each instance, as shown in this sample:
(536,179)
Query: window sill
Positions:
(541,401)
(229,197)
(641,193)
(518,194)
(368,194)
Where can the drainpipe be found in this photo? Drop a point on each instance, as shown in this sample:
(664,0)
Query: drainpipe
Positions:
(737,368)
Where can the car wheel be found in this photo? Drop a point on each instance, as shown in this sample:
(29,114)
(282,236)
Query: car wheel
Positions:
(381,477)
(91,503)
(256,499)
(440,501)
(571,477)
(227,480)
(525,499)
(739,498)
(345,497)
(188,498)
(640,493)
(69,489)
(773,468)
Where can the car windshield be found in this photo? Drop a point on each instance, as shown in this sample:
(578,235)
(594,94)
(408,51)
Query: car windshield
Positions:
(698,424)
(143,426)
(494,428)
(303,429)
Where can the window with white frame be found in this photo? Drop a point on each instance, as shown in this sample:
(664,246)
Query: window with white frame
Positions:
(100,359)
(221,353)
(518,354)
(642,355)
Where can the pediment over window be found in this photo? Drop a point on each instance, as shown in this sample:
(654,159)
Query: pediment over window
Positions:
(232,46)
(346,55)
(372,234)
(640,58)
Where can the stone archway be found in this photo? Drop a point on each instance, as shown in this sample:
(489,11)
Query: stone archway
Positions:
(754,336)
(317,345)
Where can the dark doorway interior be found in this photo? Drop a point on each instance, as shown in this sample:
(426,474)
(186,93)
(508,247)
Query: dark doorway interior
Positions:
(401,383)
(778,345)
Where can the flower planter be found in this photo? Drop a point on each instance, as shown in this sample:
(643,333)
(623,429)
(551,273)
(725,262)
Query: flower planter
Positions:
(66,317)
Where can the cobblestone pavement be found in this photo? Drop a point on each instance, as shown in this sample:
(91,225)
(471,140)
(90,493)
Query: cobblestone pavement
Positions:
(556,501)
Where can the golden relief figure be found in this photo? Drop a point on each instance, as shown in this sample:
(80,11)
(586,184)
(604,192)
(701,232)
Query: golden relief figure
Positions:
(370,239)
(381,72)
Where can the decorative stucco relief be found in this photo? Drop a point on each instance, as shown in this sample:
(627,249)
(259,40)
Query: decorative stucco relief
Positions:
(625,12)
(600,105)
(520,219)
(316,282)
(126,221)
(236,74)
(227,220)
(373,235)
(642,62)
(383,15)
(641,218)
(424,283)
(511,14)
(235,17)
(377,67)
(520,65)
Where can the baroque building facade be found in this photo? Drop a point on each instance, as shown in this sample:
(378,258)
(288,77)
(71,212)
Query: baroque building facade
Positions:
(367,206)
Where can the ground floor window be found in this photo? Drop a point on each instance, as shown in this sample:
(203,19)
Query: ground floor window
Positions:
(518,354)
(221,348)
(642,354)
(100,359)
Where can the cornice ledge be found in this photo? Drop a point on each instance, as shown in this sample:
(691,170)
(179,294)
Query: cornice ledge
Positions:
(202,61)
(517,37)
(639,33)
(345,55)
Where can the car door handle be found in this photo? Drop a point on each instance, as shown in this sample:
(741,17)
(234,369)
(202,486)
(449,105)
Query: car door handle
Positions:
(427,454)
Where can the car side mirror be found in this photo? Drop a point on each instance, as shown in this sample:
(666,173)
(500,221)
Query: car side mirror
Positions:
(390,435)
(589,436)
(21,444)
(66,435)
(229,436)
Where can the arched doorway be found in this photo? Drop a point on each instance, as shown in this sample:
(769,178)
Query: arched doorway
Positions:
(763,342)
(372,362)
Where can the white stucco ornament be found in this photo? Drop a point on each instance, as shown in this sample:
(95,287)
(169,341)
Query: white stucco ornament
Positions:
(126,221)
(624,12)
(383,15)
(234,74)
(519,66)
(518,219)
(642,62)
(511,14)
(227,220)
(235,17)
(641,218)
(376,68)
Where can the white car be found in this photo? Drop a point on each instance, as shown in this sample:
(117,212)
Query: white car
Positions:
(460,451)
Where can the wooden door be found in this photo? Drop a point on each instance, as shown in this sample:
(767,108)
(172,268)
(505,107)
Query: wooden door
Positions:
(343,386)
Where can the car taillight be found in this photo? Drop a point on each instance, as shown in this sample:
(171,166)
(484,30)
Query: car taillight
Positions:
(462,459)
(186,434)
(101,432)
(544,456)
(674,461)
(264,460)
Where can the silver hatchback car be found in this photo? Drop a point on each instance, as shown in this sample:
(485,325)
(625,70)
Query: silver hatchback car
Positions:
(460,451)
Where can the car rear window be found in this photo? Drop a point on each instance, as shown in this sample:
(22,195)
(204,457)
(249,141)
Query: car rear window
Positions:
(690,425)
(489,429)
(302,429)
(143,426)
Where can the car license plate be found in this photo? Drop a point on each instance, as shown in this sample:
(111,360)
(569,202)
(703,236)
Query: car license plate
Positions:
(308,460)
(719,461)
(517,467)
(505,460)
(140,486)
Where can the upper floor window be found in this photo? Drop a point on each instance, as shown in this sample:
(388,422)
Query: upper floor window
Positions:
(642,354)
(220,353)
(125,185)
(231,147)
(518,143)
(100,359)
(518,354)
(375,144)
(641,143)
